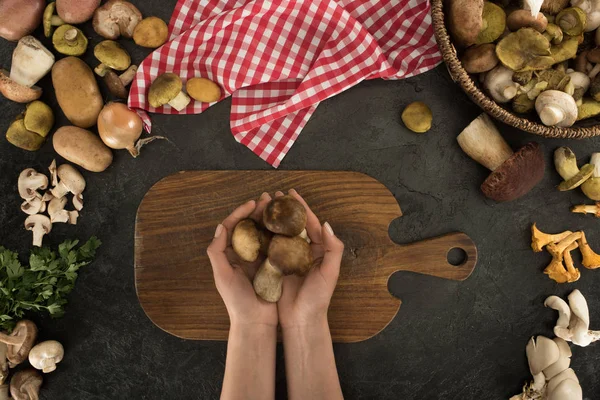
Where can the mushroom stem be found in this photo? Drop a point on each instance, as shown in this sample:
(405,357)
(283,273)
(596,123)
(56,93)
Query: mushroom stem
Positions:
(11,340)
(484,144)
(32,393)
(70,37)
(551,115)
(127,76)
(180,101)
(38,235)
(101,70)
(4,392)
(587,209)
(60,190)
(56,21)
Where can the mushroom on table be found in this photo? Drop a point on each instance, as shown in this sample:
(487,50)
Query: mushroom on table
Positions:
(40,225)
(19,342)
(168,89)
(46,355)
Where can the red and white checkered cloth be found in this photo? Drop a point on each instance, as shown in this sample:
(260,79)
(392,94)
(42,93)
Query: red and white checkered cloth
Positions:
(279,59)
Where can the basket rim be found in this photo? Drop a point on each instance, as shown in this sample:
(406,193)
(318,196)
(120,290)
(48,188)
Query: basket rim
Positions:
(460,76)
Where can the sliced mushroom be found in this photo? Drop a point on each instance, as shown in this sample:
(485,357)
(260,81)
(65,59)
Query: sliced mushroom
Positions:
(46,355)
(56,205)
(30,181)
(40,225)
(78,201)
(168,89)
(33,206)
(71,181)
(53,176)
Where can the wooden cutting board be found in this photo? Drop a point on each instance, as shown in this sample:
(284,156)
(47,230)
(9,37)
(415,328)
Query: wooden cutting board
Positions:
(177,218)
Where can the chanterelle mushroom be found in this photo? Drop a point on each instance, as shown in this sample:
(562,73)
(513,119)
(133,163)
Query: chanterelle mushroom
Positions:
(168,89)
(25,384)
(30,181)
(591,260)
(19,342)
(513,174)
(560,252)
(70,181)
(540,239)
(116,18)
(46,355)
(587,209)
(285,215)
(40,225)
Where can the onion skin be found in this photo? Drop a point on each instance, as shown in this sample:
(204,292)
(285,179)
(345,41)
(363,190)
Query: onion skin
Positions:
(120,128)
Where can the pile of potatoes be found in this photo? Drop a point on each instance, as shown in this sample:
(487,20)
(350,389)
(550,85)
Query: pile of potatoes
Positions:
(532,55)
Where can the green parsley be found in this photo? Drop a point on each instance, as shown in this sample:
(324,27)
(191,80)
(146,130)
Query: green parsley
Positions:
(44,284)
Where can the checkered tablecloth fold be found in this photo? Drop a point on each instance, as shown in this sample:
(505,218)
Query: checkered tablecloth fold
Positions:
(279,59)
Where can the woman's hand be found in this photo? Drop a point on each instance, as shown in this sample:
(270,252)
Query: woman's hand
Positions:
(233,277)
(305,300)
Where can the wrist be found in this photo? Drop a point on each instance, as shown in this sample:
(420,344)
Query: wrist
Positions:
(252,328)
(315,323)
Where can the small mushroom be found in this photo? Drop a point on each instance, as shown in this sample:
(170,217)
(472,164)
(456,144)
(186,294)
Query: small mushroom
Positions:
(19,342)
(53,175)
(513,174)
(540,239)
(500,85)
(69,40)
(19,18)
(416,116)
(33,206)
(268,282)
(566,165)
(30,181)
(525,50)
(523,19)
(56,210)
(556,108)
(493,23)
(203,90)
(46,355)
(591,260)
(76,11)
(591,187)
(40,225)
(465,20)
(151,32)
(168,89)
(248,240)
(479,58)
(578,179)
(71,181)
(112,55)
(592,10)
(116,18)
(50,20)
(117,84)
(285,215)
(571,20)
(25,384)
(587,209)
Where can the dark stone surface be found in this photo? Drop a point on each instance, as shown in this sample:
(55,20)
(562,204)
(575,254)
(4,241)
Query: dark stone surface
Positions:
(450,340)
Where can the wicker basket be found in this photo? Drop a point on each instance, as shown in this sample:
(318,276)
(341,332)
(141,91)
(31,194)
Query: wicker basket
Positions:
(580,130)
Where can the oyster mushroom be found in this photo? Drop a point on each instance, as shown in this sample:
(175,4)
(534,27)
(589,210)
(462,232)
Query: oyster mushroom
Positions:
(46,355)
(25,384)
(561,329)
(513,174)
(465,20)
(500,85)
(591,187)
(30,181)
(30,62)
(151,32)
(493,23)
(592,10)
(168,89)
(580,321)
(69,40)
(116,18)
(50,20)
(540,239)
(19,18)
(541,354)
(556,108)
(40,225)
(525,50)
(479,58)
(523,19)
(19,342)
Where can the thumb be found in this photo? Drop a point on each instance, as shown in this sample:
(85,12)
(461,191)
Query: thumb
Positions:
(216,253)
(334,250)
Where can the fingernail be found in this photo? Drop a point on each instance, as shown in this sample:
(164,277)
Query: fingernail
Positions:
(292,191)
(328,228)
(220,229)
(265,194)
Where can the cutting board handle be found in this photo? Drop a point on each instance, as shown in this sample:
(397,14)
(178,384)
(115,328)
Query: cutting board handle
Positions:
(430,256)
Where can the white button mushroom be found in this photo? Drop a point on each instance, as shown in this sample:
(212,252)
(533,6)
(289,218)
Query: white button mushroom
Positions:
(40,225)
(46,355)
(500,85)
(33,206)
(556,108)
(71,181)
(29,182)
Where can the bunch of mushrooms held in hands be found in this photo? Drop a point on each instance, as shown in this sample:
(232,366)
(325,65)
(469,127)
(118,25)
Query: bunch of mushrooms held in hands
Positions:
(114,57)
(121,128)
(544,61)
(30,129)
(64,180)
(282,240)
(30,62)
(559,245)
(513,174)
(587,177)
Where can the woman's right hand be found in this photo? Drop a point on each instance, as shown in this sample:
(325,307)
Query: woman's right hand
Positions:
(305,300)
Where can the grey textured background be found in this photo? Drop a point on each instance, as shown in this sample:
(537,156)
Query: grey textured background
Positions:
(450,340)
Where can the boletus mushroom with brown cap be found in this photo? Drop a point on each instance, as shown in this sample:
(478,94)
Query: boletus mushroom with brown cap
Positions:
(168,89)
(19,342)
(117,84)
(513,174)
(465,20)
(19,18)
(285,215)
(46,355)
(116,18)
(25,384)
(249,240)
(479,58)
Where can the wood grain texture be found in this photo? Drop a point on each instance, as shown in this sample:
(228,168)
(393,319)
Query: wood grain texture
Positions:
(176,222)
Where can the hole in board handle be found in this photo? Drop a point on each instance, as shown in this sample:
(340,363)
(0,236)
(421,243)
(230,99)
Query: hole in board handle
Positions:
(457,256)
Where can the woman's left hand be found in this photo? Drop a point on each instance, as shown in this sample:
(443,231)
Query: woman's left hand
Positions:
(233,277)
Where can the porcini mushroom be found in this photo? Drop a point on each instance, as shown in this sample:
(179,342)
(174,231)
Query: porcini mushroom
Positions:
(70,181)
(30,62)
(50,20)
(151,32)
(76,11)
(30,181)
(117,84)
(513,174)
(248,240)
(587,209)
(112,55)
(116,18)
(40,225)
(25,384)
(285,215)
(591,260)
(46,355)
(465,20)
(19,18)
(591,187)
(556,108)
(286,256)
(540,239)
(69,40)
(493,23)
(416,116)
(19,342)
(523,19)
(167,89)
(480,58)
(500,85)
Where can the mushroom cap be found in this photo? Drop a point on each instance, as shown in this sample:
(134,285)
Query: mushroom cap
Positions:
(26,330)
(47,18)
(22,381)
(494,23)
(567,374)
(15,92)
(76,11)
(268,282)
(38,118)
(245,240)
(556,108)
(523,19)
(164,89)
(151,32)
(567,389)
(38,219)
(517,175)
(525,50)
(113,55)
(116,18)
(19,136)
(480,58)
(29,181)
(19,18)
(203,90)
(292,255)
(46,355)
(285,215)
(541,353)
(63,45)
(417,117)
(465,20)
(115,85)
(71,178)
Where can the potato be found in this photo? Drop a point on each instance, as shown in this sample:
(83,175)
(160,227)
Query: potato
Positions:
(82,147)
(77,91)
